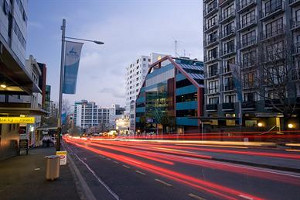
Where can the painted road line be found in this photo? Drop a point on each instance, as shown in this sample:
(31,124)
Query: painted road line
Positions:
(98,179)
(163,182)
(139,172)
(196,196)
(108,158)
(126,166)
(116,162)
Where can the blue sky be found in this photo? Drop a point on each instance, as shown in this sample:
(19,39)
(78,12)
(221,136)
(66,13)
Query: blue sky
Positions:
(129,28)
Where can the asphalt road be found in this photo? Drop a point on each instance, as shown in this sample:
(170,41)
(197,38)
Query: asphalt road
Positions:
(132,170)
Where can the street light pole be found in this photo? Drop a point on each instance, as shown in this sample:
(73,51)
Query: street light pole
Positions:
(63,29)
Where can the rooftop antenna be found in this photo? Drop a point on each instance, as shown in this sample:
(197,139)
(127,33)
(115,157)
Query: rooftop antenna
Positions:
(176,54)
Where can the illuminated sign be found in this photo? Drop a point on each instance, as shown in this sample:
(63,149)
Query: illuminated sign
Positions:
(17,120)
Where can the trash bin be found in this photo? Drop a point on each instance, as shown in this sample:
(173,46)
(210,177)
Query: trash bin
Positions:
(52,167)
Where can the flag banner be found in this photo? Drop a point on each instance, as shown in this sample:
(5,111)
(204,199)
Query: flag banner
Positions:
(236,75)
(72,58)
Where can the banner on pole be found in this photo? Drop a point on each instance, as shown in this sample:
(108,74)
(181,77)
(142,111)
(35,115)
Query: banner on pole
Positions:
(72,58)
(236,75)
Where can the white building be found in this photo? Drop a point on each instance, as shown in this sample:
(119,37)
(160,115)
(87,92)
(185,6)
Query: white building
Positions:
(135,75)
(88,114)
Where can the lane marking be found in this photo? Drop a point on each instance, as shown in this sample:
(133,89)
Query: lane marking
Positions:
(196,196)
(245,197)
(116,162)
(98,179)
(139,172)
(126,166)
(101,156)
(108,158)
(163,182)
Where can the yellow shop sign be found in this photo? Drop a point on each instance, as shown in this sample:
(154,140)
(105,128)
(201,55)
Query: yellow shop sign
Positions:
(17,120)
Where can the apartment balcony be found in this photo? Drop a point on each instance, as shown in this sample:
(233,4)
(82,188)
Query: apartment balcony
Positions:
(210,59)
(206,1)
(250,24)
(228,33)
(212,75)
(248,43)
(244,5)
(225,17)
(272,102)
(293,3)
(210,27)
(211,10)
(295,24)
(248,105)
(228,51)
(211,42)
(224,2)
(272,10)
(295,74)
(296,48)
(249,65)
(211,107)
(267,35)
(228,106)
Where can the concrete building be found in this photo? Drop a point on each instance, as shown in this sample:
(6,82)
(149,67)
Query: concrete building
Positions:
(87,115)
(14,78)
(115,112)
(248,36)
(171,96)
(135,75)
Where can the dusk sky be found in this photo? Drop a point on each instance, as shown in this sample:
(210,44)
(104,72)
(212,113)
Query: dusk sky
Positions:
(129,28)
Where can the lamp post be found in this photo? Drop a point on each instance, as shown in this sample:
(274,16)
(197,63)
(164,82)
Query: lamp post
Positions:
(62,63)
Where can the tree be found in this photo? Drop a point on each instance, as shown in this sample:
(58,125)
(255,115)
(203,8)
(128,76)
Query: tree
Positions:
(273,77)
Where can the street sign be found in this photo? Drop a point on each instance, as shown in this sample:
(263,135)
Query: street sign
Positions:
(17,120)
(62,157)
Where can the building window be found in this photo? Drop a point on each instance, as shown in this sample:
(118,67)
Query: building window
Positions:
(248,18)
(249,97)
(228,63)
(274,51)
(228,47)
(227,12)
(211,6)
(213,70)
(274,28)
(213,53)
(213,100)
(213,86)
(249,38)
(228,83)
(249,58)
(230,98)
(212,37)
(272,5)
(211,22)
(228,29)
(249,79)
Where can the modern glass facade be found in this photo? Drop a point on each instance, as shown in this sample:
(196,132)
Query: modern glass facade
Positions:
(171,96)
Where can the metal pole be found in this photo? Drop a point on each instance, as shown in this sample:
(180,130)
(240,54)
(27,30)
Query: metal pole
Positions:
(63,29)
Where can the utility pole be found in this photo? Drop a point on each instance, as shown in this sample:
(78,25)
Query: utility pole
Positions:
(63,29)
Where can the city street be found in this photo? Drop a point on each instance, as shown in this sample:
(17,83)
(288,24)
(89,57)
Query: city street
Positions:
(135,169)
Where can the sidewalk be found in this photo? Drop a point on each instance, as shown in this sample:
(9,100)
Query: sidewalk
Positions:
(23,177)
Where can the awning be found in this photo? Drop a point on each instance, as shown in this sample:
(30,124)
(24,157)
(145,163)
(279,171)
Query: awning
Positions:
(20,109)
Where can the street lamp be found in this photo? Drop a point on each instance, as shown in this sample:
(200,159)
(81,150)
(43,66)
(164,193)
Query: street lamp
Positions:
(62,63)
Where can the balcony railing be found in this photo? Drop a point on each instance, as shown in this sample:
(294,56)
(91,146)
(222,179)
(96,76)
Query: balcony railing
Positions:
(272,9)
(248,104)
(227,15)
(210,58)
(211,9)
(244,4)
(270,34)
(223,2)
(209,27)
(294,2)
(210,41)
(212,107)
(296,48)
(228,106)
(227,32)
(249,42)
(252,21)
(295,23)
(228,50)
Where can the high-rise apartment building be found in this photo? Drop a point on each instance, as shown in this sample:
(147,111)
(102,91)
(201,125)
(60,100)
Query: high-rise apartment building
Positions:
(249,36)
(135,75)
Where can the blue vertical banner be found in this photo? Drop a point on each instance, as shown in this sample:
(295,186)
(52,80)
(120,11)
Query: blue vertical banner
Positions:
(72,58)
